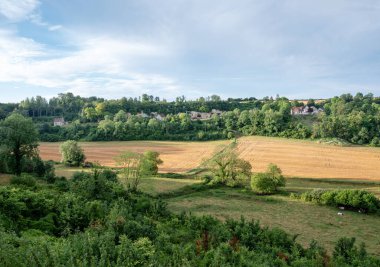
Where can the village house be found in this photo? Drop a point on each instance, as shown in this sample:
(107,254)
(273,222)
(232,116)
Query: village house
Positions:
(157,116)
(216,112)
(306,110)
(196,115)
(59,122)
(142,115)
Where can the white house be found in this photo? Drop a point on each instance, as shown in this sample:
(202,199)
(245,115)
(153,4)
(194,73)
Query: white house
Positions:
(157,116)
(59,122)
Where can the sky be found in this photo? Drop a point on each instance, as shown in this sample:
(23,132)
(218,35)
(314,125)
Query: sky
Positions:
(237,48)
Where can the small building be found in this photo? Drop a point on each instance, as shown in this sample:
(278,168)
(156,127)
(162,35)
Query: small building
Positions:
(296,110)
(142,115)
(306,110)
(195,115)
(59,122)
(216,112)
(157,116)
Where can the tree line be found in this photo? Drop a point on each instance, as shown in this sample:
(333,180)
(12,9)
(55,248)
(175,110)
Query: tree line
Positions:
(95,220)
(355,119)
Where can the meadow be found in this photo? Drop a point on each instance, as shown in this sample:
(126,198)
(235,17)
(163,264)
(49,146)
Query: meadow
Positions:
(306,220)
(296,158)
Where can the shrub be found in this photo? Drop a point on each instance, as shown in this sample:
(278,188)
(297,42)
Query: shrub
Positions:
(149,163)
(109,175)
(25,179)
(72,153)
(262,184)
(354,199)
(268,182)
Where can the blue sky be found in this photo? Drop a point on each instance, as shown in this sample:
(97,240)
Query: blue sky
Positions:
(236,48)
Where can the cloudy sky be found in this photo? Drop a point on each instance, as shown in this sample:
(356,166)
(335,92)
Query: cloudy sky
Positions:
(235,48)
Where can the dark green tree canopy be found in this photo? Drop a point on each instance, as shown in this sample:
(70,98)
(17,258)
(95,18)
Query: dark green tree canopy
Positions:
(19,139)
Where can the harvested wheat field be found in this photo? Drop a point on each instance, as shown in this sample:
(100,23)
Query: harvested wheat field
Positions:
(177,156)
(298,158)
(303,158)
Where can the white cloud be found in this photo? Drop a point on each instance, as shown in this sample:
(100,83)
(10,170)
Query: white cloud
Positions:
(55,27)
(14,49)
(36,18)
(17,10)
(101,66)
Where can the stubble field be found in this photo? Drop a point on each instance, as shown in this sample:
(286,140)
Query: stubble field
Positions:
(297,158)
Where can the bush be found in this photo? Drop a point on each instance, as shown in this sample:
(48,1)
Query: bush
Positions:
(25,179)
(72,153)
(351,199)
(149,163)
(268,182)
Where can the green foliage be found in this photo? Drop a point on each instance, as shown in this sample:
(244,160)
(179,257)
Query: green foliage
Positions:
(44,226)
(227,168)
(354,119)
(18,141)
(25,179)
(131,168)
(72,153)
(268,182)
(98,185)
(353,199)
(149,163)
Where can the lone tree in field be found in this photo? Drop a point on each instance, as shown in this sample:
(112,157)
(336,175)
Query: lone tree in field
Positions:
(130,163)
(227,168)
(135,165)
(268,182)
(19,140)
(72,153)
(149,163)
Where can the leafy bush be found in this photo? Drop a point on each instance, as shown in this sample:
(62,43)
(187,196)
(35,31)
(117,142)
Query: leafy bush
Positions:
(72,153)
(352,199)
(24,179)
(268,182)
(149,163)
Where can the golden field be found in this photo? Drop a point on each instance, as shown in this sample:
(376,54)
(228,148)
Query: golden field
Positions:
(297,158)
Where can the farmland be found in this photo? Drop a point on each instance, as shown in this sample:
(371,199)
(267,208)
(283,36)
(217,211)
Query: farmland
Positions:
(309,221)
(297,158)
(325,166)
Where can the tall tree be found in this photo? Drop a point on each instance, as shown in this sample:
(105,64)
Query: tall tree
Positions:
(227,168)
(19,137)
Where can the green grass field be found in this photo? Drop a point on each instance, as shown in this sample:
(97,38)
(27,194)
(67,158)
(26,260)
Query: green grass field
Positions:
(155,186)
(308,220)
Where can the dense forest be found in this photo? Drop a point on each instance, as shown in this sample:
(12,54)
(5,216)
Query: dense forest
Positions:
(355,119)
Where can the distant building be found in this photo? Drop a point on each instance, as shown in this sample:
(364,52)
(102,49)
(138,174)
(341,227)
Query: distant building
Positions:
(157,116)
(216,112)
(296,110)
(59,122)
(306,110)
(196,115)
(142,115)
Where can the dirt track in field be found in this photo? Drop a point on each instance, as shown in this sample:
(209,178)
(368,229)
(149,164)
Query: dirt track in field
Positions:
(295,157)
